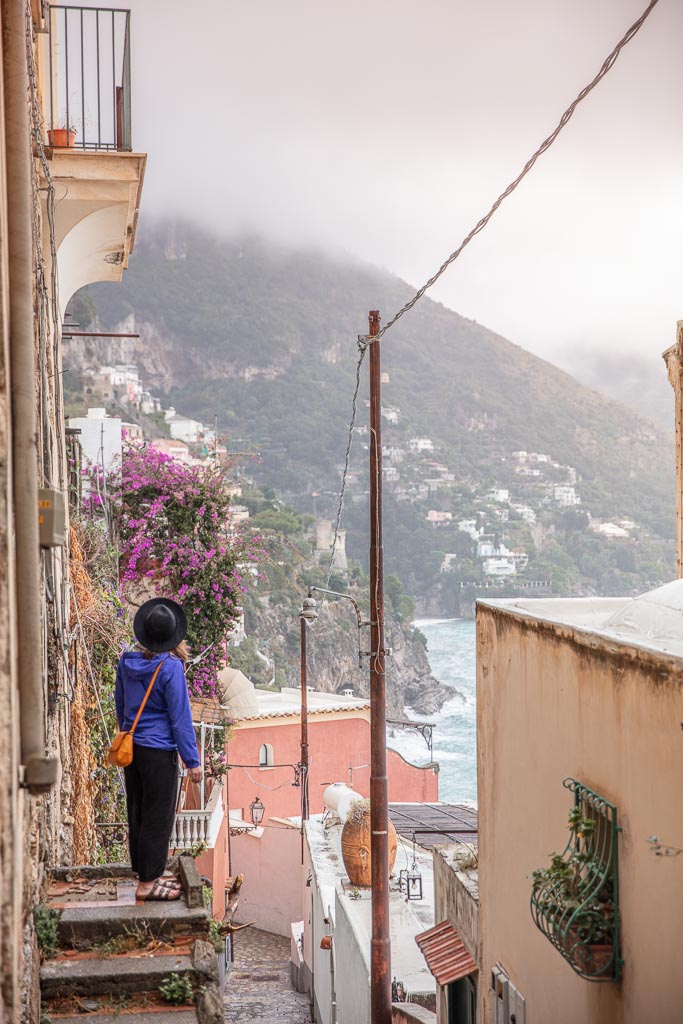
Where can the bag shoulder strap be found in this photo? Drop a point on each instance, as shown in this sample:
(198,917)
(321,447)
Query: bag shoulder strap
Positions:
(144,699)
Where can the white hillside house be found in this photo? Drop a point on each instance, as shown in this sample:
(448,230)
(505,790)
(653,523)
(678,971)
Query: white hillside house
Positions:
(565,495)
(469,526)
(499,560)
(124,380)
(393,454)
(100,439)
(421,444)
(182,427)
(526,512)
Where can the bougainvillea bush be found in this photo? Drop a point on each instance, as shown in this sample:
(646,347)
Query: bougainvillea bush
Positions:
(174,528)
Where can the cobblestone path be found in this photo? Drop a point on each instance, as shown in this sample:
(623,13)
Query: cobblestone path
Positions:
(258,989)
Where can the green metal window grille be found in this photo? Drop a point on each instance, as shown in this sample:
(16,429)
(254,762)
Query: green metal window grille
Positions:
(575,900)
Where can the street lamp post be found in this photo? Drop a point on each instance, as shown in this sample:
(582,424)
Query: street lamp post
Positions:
(359,619)
(307,615)
(380,977)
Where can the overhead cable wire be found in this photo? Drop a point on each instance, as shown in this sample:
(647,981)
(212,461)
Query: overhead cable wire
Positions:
(262,785)
(362,349)
(607,65)
(365,340)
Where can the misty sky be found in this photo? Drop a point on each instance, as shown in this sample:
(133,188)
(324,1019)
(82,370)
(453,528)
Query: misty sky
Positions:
(386,128)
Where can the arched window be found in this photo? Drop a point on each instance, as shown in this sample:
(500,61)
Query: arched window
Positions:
(265,756)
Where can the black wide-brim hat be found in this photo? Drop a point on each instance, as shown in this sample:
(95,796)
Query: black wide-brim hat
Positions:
(160,625)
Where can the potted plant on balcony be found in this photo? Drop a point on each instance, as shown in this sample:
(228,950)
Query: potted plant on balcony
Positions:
(573,900)
(63,137)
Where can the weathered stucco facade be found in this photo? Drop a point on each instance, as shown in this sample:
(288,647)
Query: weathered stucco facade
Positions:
(456,900)
(561,693)
(48,248)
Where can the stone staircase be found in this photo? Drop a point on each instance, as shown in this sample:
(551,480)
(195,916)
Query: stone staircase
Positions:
(112,953)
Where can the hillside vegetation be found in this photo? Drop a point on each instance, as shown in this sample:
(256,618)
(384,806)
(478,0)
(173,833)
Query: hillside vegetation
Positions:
(265,339)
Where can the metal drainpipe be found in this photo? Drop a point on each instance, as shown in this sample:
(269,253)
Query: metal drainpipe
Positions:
(40,772)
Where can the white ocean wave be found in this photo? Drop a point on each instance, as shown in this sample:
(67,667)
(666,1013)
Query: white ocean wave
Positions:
(419,623)
(451,649)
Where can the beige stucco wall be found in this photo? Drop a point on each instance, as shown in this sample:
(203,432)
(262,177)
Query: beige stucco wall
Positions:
(271,865)
(555,701)
(673,357)
(455,900)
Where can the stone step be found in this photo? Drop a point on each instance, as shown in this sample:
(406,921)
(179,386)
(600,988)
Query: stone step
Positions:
(172,1014)
(64,873)
(113,975)
(84,927)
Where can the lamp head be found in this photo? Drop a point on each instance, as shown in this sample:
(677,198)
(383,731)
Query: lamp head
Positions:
(257,811)
(309,609)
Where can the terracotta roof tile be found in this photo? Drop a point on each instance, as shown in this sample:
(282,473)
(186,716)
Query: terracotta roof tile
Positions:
(445,953)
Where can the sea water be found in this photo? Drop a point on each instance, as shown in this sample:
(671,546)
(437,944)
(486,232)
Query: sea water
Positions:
(451,649)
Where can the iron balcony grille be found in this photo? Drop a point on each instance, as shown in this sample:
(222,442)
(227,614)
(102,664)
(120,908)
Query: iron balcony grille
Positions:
(89,88)
(575,900)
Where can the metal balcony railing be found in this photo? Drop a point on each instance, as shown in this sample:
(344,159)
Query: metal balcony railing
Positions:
(89,87)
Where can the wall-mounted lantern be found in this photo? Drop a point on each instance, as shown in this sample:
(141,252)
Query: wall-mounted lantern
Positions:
(257,811)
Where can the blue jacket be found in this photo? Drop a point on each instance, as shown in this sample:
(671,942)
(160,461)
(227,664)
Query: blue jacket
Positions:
(166,722)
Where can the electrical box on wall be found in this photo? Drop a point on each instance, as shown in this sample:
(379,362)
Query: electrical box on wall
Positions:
(51,517)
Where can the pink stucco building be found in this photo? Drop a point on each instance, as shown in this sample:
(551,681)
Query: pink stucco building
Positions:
(339,751)
(263,752)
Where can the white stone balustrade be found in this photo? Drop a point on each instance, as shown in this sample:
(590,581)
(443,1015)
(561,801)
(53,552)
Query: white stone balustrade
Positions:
(199,826)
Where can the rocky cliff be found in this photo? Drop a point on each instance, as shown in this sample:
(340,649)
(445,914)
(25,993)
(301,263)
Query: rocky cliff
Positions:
(273,652)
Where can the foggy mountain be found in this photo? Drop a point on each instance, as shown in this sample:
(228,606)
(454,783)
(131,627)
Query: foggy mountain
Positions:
(639,383)
(265,339)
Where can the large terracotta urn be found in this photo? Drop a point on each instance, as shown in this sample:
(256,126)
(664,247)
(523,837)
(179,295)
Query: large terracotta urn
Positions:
(355,845)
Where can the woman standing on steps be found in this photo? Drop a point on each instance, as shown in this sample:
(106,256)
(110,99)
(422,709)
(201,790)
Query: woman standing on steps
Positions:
(163,732)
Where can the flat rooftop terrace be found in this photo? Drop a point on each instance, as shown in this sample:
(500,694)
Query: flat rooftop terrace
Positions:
(435,824)
(651,622)
(407,918)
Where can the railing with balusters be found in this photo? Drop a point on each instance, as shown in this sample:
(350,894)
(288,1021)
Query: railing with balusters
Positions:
(192,827)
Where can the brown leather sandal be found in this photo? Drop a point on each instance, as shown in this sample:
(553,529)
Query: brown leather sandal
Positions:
(162,890)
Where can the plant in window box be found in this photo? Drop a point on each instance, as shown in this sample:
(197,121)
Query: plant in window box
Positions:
(573,898)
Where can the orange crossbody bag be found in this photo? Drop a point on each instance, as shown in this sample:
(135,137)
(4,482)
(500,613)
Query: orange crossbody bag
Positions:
(120,753)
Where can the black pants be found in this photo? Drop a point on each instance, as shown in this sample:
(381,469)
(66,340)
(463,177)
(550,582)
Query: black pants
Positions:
(151,790)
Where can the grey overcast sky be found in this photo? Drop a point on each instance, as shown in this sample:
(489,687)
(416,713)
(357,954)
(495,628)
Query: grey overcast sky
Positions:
(385,128)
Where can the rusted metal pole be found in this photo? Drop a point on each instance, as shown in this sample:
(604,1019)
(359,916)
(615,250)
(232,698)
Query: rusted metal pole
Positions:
(304,734)
(380,977)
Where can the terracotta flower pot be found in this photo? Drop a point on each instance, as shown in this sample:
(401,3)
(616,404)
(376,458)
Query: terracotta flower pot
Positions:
(591,957)
(355,845)
(599,958)
(61,138)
